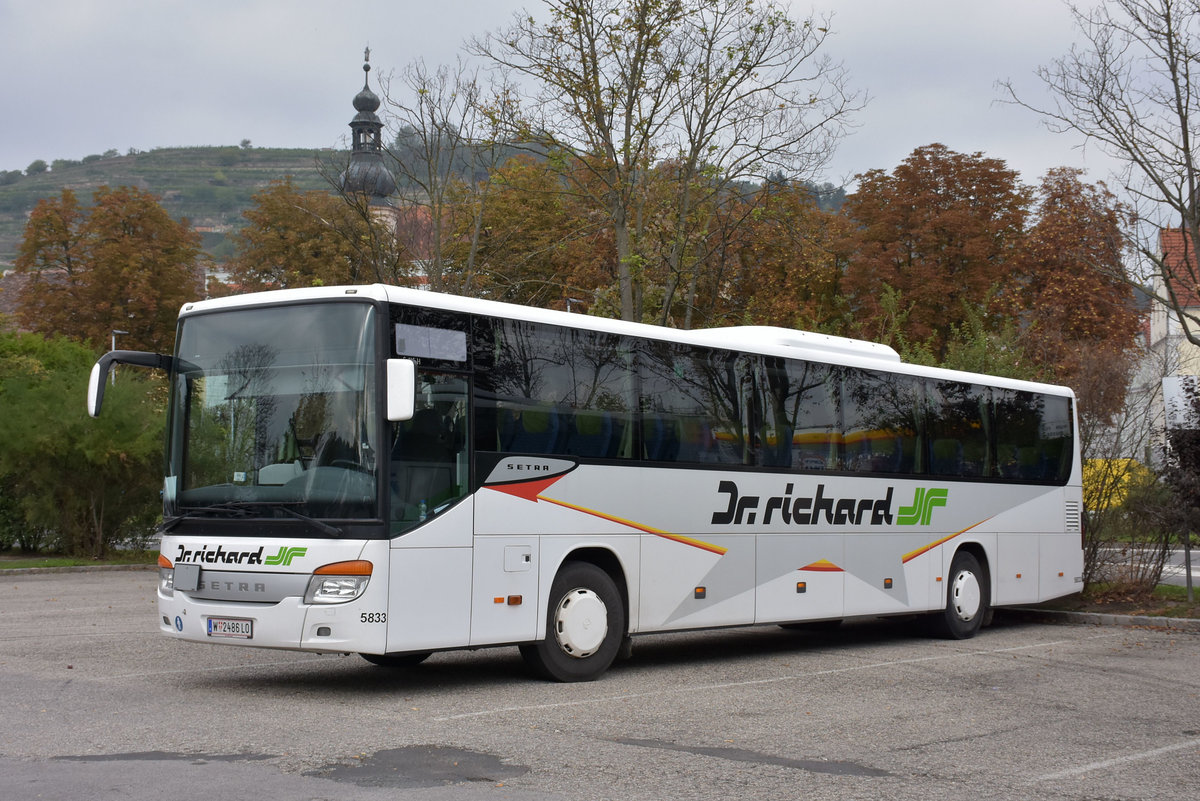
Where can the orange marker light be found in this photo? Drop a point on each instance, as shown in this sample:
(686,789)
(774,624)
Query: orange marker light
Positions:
(355,567)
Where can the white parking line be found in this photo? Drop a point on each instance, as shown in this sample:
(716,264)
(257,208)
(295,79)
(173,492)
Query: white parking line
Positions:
(774,680)
(1109,763)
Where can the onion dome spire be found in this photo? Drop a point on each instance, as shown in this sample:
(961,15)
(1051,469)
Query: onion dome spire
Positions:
(366,173)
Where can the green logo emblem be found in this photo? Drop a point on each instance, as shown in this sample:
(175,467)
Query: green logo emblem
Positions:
(286,555)
(922,507)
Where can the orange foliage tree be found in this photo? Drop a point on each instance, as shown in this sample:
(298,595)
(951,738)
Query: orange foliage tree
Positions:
(1067,290)
(122,264)
(531,242)
(942,229)
(792,248)
(297,239)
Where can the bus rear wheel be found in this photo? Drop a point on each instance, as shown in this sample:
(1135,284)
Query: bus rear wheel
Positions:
(585,625)
(966,599)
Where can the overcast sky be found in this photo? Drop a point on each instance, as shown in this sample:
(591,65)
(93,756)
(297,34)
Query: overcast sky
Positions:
(82,77)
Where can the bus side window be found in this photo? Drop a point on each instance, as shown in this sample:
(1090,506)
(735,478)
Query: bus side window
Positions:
(530,430)
(428,452)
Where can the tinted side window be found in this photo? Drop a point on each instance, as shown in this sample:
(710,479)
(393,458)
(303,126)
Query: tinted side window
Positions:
(1033,436)
(800,419)
(432,337)
(695,404)
(880,422)
(957,423)
(550,390)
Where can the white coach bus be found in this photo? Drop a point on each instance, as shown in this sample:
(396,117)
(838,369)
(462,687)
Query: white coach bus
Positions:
(395,472)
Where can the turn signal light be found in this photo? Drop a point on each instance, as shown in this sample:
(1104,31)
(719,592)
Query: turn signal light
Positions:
(355,567)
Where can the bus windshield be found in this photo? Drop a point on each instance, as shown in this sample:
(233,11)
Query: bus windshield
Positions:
(272,414)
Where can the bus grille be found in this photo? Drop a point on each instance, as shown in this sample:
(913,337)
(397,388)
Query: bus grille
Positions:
(1074,516)
(218,585)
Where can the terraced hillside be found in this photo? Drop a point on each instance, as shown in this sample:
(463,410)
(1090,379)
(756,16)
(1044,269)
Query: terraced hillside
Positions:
(211,186)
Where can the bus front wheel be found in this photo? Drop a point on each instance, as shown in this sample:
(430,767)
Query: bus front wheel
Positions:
(966,599)
(585,624)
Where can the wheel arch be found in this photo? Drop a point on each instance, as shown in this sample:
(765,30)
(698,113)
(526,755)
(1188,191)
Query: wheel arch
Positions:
(608,561)
(977,550)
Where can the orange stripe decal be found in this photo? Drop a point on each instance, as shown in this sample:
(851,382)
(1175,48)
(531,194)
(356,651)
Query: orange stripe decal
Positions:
(822,566)
(908,557)
(704,546)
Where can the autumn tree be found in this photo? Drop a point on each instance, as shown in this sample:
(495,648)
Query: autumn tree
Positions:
(1128,88)
(537,245)
(121,264)
(296,238)
(723,89)
(1068,291)
(941,229)
(792,248)
(449,141)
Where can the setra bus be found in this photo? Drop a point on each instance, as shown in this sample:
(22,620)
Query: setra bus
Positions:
(395,472)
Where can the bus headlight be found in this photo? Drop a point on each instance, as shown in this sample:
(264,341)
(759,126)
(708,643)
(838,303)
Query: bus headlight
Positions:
(338,583)
(166,576)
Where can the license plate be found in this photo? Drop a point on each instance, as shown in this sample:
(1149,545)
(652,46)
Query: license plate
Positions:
(239,627)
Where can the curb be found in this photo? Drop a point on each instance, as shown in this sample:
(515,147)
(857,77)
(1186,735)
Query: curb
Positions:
(1184,624)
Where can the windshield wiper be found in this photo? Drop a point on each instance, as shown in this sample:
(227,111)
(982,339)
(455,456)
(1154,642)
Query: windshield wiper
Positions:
(243,509)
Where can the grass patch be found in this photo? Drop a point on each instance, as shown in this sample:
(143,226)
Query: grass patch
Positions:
(18,560)
(1165,601)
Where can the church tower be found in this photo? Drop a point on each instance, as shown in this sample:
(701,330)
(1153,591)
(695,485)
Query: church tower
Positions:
(366,174)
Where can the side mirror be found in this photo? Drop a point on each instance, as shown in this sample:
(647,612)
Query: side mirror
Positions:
(96,389)
(401,389)
(100,370)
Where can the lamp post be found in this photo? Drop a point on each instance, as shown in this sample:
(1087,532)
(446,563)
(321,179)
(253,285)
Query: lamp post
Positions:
(113,372)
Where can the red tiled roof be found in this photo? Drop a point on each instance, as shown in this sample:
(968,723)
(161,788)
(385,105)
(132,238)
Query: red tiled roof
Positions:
(1174,246)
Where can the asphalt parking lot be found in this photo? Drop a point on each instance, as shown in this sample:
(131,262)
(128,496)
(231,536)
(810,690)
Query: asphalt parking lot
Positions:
(98,706)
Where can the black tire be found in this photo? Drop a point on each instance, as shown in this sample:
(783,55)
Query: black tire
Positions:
(582,598)
(397,660)
(967,599)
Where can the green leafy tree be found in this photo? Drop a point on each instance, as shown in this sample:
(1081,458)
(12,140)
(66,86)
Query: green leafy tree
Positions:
(122,264)
(87,482)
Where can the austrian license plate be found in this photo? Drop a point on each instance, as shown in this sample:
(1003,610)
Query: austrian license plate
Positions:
(239,627)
